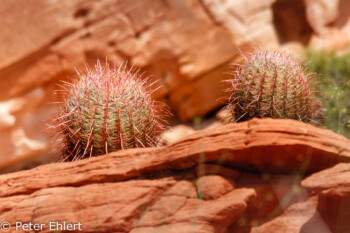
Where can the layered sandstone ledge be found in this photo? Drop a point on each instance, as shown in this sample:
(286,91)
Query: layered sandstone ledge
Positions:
(244,177)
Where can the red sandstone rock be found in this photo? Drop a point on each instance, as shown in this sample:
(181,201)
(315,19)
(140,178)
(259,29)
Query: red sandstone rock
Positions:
(300,217)
(276,196)
(212,169)
(329,179)
(265,145)
(332,186)
(178,188)
(213,186)
(196,214)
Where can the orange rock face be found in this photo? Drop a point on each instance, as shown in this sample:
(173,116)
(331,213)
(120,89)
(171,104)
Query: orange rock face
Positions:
(332,188)
(186,44)
(228,179)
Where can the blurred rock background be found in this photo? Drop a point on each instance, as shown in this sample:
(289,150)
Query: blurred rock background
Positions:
(187,44)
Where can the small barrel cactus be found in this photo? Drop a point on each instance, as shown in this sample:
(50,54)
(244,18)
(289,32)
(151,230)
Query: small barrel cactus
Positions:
(272,84)
(106,110)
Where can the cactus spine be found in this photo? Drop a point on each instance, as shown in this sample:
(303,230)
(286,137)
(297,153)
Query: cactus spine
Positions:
(272,84)
(107,110)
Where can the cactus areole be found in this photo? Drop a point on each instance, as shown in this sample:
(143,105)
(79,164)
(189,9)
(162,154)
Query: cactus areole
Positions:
(272,84)
(106,110)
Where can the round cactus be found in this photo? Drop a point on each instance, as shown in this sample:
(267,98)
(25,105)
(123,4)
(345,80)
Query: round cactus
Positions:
(106,110)
(272,84)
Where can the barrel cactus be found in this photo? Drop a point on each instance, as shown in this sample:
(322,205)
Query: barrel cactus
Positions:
(273,84)
(106,110)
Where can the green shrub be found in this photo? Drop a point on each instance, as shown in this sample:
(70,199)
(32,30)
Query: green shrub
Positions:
(334,81)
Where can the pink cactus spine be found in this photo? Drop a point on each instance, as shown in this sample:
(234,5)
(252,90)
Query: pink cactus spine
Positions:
(272,84)
(107,110)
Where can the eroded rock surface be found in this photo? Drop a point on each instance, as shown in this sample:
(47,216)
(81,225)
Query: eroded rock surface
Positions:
(228,179)
(332,187)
